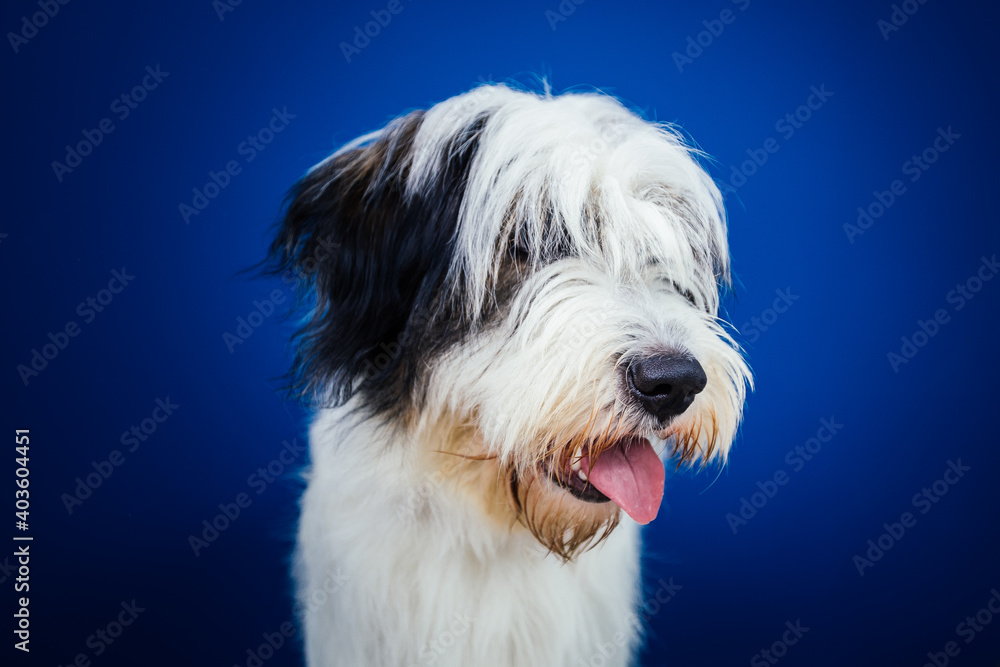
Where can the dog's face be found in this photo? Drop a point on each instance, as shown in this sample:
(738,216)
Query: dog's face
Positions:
(529,285)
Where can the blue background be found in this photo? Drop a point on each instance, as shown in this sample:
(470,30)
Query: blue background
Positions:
(825,357)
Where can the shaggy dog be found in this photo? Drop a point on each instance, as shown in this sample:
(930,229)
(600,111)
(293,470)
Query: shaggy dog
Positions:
(515,326)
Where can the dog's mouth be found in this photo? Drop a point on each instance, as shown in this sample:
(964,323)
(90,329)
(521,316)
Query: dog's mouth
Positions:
(628,473)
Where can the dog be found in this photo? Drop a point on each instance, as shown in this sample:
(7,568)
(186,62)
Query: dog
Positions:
(511,322)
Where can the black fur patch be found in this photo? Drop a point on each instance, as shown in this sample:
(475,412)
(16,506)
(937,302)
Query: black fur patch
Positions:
(381,309)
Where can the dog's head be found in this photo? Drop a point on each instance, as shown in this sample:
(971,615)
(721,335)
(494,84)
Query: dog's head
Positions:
(528,284)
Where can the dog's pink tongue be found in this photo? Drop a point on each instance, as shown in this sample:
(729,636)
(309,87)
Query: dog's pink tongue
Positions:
(630,474)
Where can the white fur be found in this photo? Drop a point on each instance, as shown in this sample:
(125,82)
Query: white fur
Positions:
(624,192)
(643,241)
(418,564)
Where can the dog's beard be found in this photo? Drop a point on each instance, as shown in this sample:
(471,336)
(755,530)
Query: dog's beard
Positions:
(564,505)
(540,488)
(562,524)
(574,497)
(535,499)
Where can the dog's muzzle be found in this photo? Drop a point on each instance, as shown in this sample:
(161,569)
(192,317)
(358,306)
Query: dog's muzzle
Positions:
(627,471)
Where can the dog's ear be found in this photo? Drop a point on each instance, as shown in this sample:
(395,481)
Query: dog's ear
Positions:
(371,260)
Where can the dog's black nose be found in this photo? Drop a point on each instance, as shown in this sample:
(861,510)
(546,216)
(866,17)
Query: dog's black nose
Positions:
(666,384)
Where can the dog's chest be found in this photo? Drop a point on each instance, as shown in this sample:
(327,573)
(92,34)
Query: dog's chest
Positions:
(518,607)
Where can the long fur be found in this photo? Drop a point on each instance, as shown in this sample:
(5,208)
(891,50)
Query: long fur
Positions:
(502,259)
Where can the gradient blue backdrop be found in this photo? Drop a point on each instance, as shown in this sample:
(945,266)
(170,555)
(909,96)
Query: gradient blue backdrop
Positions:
(824,358)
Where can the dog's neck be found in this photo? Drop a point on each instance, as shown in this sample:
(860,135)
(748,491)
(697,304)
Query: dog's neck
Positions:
(418,559)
